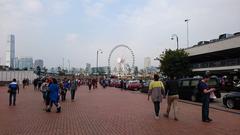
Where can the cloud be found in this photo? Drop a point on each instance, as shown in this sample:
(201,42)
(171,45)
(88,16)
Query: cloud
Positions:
(95,8)
(33,6)
(59,7)
(72,39)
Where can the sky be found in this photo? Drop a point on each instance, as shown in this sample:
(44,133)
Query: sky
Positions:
(75,29)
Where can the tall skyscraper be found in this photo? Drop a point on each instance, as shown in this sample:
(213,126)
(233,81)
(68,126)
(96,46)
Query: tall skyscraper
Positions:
(10,52)
(39,63)
(147,62)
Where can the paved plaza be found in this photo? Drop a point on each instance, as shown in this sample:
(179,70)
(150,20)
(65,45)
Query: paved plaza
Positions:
(107,111)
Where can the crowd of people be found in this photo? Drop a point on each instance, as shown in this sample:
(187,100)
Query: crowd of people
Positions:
(54,91)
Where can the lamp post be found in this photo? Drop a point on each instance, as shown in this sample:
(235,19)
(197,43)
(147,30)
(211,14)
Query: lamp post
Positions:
(187,20)
(172,38)
(98,51)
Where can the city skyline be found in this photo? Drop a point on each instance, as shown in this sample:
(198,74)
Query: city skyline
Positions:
(75,30)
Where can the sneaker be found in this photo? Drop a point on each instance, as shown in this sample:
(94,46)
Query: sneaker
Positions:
(209,119)
(156,117)
(59,110)
(48,110)
(176,119)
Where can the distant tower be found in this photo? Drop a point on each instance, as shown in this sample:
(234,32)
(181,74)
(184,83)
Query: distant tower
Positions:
(147,62)
(10,54)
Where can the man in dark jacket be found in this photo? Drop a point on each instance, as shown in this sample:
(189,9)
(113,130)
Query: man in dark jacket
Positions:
(172,96)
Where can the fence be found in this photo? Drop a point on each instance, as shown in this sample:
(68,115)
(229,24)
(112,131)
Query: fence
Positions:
(19,75)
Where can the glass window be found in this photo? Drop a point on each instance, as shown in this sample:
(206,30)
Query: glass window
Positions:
(212,82)
(186,83)
(194,83)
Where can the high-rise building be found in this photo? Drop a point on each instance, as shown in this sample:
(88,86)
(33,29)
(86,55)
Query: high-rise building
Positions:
(26,62)
(147,62)
(39,63)
(10,52)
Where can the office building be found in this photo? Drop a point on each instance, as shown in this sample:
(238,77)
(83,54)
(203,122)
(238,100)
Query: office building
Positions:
(10,52)
(38,62)
(147,62)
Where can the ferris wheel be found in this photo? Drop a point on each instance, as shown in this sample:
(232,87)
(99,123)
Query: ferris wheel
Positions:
(121,60)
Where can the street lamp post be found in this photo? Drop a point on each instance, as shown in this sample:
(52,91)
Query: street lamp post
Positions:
(175,35)
(187,20)
(98,51)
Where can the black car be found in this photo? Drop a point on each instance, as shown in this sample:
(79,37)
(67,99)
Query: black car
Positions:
(232,100)
(188,88)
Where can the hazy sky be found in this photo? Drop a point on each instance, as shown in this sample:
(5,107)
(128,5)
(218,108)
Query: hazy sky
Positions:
(75,29)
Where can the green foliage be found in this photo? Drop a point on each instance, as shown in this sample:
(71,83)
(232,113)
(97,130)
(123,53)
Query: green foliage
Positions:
(175,62)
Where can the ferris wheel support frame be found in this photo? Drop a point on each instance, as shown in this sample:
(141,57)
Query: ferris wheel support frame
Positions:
(115,48)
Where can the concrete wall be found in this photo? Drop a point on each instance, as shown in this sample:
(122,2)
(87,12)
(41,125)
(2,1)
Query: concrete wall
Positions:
(19,75)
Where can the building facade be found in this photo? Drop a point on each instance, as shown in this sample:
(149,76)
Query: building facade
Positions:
(25,63)
(38,62)
(10,52)
(219,57)
(147,62)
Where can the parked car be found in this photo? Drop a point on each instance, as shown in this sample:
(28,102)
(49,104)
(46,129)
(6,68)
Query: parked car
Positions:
(224,36)
(213,40)
(113,83)
(188,88)
(134,85)
(236,34)
(203,42)
(145,86)
(232,100)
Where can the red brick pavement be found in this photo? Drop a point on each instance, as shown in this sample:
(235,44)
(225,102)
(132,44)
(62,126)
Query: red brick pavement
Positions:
(106,112)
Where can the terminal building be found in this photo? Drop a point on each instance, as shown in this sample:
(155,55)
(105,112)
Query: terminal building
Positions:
(219,56)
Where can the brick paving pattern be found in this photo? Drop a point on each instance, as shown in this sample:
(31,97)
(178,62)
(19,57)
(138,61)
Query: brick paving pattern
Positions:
(106,112)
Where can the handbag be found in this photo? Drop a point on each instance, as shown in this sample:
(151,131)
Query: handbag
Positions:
(212,95)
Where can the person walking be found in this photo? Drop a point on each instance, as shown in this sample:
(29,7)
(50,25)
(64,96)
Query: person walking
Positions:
(205,92)
(35,83)
(73,88)
(172,96)
(54,96)
(156,91)
(13,88)
(122,84)
(44,90)
(89,84)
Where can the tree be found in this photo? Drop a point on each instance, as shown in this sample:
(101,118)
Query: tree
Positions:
(175,63)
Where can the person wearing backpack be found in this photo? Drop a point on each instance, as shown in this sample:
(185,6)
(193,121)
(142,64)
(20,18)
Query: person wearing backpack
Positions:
(205,92)
(13,88)
(156,91)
